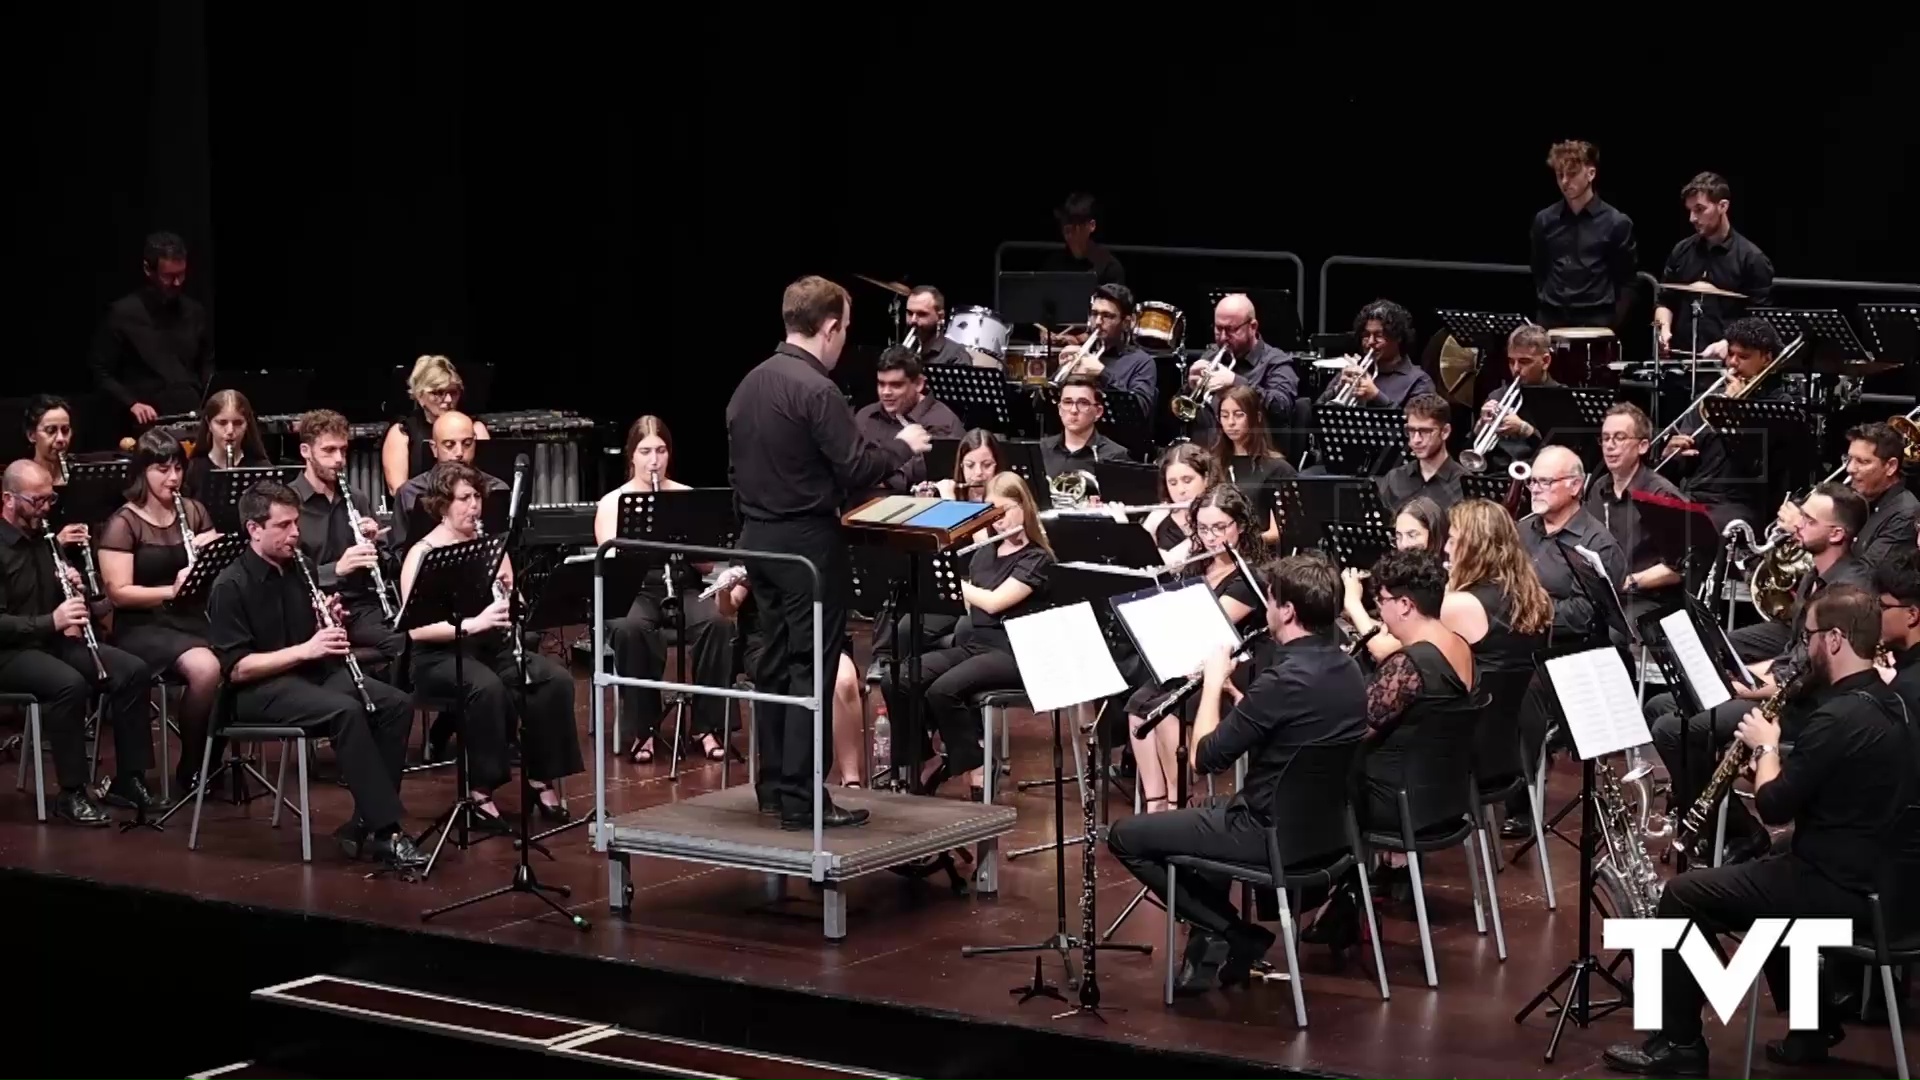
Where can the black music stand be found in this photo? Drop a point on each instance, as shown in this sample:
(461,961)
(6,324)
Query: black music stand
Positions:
(93,491)
(224,487)
(1893,331)
(1357,546)
(1128,483)
(1829,336)
(1358,441)
(1769,431)
(1489,486)
(978,395)
(1025,460)
(1093,537)
(1311,503)
(1124,421)
(1568,415)
(1485,332)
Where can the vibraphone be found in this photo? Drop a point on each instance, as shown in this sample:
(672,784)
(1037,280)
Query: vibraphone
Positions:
(556,437)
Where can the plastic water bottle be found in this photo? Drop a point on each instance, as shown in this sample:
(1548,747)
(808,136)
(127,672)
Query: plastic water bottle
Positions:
(882,740)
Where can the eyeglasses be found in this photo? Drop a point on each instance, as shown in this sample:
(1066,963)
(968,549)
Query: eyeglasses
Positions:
(1423,430)
(1222,328)
(1212,530)
(40,502)
(1077,404)
(1620,437)
(1541,483)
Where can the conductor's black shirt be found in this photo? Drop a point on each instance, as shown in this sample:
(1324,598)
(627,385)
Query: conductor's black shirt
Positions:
(256,607)
(793,449)
(153,350)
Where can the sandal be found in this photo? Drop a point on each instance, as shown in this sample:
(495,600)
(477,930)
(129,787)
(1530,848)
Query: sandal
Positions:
(642,752)
(713,748)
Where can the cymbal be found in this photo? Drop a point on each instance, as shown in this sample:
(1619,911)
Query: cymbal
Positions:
(1858,369)
(1705,288)
(890,286)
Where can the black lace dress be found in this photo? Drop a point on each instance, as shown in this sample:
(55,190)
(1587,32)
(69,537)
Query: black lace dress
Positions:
(1417,674)
(156,635)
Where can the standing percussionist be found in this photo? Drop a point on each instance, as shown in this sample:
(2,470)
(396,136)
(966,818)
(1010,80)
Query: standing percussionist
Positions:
(1384,329)
(902,387)
(1078,222)
(153,353)
(1583,249)
(1718,256)
(926,329)
(1271,372)
(794,457)
(1122,364)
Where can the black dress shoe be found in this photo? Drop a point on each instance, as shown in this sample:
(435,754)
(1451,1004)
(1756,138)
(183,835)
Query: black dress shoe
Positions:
(1246,946)
(79,808)
(1517,828)
(397,851)
(352,838)
(130,792)
(555,812)
(769,801)
(833,817)
(1200,966)
(1804,1047)
(1658,1056)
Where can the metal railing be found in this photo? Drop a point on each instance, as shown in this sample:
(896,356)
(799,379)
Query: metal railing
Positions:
(603,679)
(1299,267)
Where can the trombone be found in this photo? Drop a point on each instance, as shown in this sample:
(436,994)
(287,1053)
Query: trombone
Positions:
(1488,433)
(1366,369)
(1187,405)
(1747,388)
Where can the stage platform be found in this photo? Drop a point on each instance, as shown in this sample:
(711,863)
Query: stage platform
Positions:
(145,954)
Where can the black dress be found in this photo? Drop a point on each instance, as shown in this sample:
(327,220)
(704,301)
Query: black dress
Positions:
(1502,648)
(1418,674)
(158,636)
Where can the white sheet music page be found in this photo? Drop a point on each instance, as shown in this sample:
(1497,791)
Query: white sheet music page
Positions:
(1705,680)
(1063,657)
(1178,629)
(1597,698)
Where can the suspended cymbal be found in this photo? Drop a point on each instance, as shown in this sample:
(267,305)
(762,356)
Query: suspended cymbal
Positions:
(1705,288)
(890,286)
(1858,369)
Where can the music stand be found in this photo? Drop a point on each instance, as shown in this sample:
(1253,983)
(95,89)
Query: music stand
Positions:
(1124,421)
(1893,331)
(1358,441)
(1101,539)
(1829,335)
(224,488)
(1357,546)
(1311,503)
(1488,486)
(208,561)
(1127,483)
(978,395)
(1756,430)
(1025,460)
(1485,332)
(93,491)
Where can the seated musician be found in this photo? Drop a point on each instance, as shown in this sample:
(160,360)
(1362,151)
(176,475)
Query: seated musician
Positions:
(1079,446)
(435,387)
(1272,374)
(1385,329)
(454,435)
(1550,534)
(1431,664)
(1004,581)
(43,652)
(1223,522)
(1245,456)
(285,667)
(1429,470)
(1419,526)
(926,321)
(1876,455)
(638,639)
(849,712)
(1185,472)
(343,558)
(143,564)
(902,386)
(1312,693)
(229,437)
(1898,582)
(1653,581)
(49,431)
(1843,789)
(1124,367)
(1529,354)
(491,697)
(1703,464)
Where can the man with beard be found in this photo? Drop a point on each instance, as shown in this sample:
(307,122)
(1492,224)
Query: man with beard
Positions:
(153,353)
(1719,256)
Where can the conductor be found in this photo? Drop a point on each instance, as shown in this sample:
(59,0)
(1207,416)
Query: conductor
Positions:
(794,457)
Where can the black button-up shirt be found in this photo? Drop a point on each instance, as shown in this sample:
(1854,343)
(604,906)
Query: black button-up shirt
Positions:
(256,607)
(1274,375)
(326,534)
(154,351)
(407,503)
(1734,264)
(880,426)
(1132,371)
(794,450)
(1058,459)
(1574,611)
(941,350)
(1621,515)
(29,591)
(1099,262)
(1406,480)
(1581,260)
(1892,520)
(1311,694)
(1406,381)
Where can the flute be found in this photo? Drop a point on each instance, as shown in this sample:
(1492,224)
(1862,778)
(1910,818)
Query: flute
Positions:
(731,576)
(978,544)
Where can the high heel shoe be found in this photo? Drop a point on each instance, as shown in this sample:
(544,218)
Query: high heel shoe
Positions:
(642,751)
(555,811)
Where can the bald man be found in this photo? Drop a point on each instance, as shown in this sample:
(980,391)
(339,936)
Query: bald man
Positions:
(1557,525)
(453,440)
(1271,372)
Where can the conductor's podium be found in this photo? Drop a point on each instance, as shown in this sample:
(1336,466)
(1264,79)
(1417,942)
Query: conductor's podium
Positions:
(726,828)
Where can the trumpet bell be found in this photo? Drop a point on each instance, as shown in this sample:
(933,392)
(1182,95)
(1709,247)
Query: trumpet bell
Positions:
(1472,461)
(1185,408)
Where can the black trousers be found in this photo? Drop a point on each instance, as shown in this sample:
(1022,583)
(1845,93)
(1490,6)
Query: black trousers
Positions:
(640,652)
(1706,736)
(370,747)
(948,677)
(367,628)
(549,740)
(891,637)
(1727,899)
(784,593)
(1143,842)
(61,675)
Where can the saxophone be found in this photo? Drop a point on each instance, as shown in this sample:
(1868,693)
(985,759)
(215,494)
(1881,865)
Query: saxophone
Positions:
(1626,872)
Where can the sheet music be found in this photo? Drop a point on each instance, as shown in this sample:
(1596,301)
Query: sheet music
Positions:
(1601,710)
(1063,657)
(1703,678)
(1178,629)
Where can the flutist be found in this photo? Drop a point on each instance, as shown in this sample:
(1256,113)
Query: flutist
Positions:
(47,649)
(1842,789)
(285,668)
(346,555)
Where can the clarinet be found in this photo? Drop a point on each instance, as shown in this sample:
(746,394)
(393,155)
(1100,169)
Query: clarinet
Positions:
(186,531)
(325,615)
(1731,764)
(1089,930)
(67,593)
(500,592)
(353,522)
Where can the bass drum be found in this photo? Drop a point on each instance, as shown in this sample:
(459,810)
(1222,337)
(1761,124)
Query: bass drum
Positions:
(979,329)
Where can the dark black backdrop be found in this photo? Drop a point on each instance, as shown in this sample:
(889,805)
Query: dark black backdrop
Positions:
(376,181)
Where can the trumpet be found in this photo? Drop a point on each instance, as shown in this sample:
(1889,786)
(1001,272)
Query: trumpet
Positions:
(1365,369)
(353,522)
(1745,389)
(1488,433)
(1093,350)
(186,530)
(1186,406)
(325,614)
(67,592)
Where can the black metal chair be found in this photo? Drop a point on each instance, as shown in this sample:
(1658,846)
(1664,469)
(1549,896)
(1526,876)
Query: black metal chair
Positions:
(223,726)
(30,749)
(1501,768)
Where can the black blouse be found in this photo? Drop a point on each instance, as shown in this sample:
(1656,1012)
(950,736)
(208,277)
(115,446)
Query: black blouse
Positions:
(159,554)
(990,570)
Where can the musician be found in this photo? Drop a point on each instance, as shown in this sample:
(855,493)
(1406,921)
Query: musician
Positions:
(975,461)
(49,430)
(43,653)
(902,387)
(343,558)
(1554,529)
(1245,456)
(1312,693)
(1826,527)
(926,323)
(1429,470)
(638,640)
(1419,526)
(1584,253)
(1898,582)
(1185,471)
(436,388)
(795,456)
(1529,356)
(143,564)
(454,437)
(1843,788)
(229,437)
(1079,445)
(1702,464)
(488,685)
(1078,222)
(1272,373)
(153,353)
(285,668)
(1653,580)
(1124,366)
(1875,456)
(1385,329)
(1717,255)
(1223,522)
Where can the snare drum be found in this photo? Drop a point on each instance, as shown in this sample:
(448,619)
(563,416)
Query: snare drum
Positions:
(1584,356)
(980,328)
(1163,324)
(1031,364)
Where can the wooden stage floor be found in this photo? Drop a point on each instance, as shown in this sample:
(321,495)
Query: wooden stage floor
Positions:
(904,938)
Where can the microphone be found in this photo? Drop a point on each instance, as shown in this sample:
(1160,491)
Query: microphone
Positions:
(514,508)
